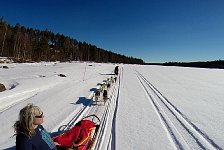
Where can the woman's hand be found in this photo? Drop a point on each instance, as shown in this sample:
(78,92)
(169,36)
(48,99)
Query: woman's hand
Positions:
(57,144)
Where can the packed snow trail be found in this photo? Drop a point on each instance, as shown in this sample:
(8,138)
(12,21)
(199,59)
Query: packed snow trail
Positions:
(184,133)
(107,126)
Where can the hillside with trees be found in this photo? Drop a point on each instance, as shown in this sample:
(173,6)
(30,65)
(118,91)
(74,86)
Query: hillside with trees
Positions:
(27,44)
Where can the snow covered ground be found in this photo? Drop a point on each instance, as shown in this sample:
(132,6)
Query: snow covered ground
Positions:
(150,107)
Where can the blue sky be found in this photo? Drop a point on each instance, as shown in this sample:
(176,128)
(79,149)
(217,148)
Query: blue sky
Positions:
(154,30)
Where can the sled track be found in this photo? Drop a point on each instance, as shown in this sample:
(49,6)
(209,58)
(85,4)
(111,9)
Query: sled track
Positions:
(184,133)
(77,117)
(74,117)
(105,113)
(108,120)
(113,130)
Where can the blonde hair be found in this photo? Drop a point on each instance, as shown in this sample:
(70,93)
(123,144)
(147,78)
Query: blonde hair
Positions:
(26,117)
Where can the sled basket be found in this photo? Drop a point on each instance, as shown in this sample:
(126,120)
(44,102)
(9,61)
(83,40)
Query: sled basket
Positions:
(80,137)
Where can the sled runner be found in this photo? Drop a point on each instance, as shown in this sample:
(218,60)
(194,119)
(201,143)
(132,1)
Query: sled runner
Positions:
(81,137)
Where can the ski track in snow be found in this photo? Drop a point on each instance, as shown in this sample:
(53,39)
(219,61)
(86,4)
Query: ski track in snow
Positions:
(180,129)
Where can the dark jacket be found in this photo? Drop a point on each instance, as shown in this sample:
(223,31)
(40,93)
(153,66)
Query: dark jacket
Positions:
(40,141)
(116,70)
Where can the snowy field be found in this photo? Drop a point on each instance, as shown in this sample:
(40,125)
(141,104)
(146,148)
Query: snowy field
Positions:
(149,107)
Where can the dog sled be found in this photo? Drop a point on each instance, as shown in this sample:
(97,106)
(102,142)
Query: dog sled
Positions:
(80,137)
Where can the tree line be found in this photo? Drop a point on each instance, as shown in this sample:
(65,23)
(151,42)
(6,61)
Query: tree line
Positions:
(219,64)
(27,44)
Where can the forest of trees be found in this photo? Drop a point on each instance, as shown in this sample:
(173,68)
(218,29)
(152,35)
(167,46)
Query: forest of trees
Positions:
(208,64)
(219,64)
(27,44)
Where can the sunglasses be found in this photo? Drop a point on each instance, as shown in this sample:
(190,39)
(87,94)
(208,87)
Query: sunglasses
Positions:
(41,116)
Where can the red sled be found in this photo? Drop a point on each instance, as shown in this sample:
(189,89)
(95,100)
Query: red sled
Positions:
(80,137)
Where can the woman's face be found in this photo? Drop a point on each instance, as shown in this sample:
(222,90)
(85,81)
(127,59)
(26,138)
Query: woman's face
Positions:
(38,119)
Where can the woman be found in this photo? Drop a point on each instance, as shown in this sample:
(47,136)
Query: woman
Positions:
(30,134)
